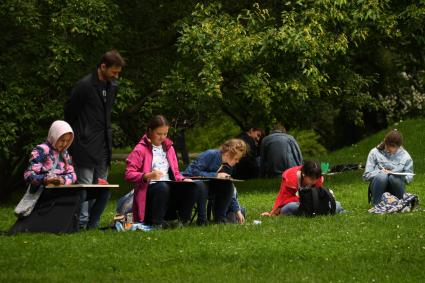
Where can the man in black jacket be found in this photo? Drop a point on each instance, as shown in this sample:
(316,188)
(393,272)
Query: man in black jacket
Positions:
(88,111)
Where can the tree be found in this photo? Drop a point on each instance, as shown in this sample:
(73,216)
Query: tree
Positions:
(46,46)
(310,64)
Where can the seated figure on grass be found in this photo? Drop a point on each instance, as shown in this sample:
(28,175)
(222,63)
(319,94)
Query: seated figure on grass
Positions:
(288,201)
(220,192)
(383,164)
(50,162)
(279,151)
(151,166)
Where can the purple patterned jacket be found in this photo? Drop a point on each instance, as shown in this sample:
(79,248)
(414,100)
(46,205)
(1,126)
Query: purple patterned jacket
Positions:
(42,159)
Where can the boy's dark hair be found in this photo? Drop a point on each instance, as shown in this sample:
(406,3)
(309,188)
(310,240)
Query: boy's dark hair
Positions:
(312,169)
(112,58)
(158,121)
(251,127)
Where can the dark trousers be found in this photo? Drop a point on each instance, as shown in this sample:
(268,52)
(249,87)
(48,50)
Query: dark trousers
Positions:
(169,201)
(219,193)
(100,197)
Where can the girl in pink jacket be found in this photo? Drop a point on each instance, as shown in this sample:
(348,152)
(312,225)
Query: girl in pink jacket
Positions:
(152,166)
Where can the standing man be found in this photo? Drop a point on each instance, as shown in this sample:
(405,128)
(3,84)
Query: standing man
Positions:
(278,152)
(88,111)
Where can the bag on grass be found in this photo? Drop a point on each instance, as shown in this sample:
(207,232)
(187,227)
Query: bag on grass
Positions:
(316,201)
(57,211)
(28,201)
(124,222)
(391,204)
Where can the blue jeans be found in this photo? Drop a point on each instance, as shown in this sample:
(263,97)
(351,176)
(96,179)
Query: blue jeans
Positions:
(94,201)
(383,182)
(125,203)
(292,207)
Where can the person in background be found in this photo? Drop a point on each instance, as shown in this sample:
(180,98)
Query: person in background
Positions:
(247,167)
(180,139)
(383,161)
(151,165)
(88,110)
(278,152)
(218,163)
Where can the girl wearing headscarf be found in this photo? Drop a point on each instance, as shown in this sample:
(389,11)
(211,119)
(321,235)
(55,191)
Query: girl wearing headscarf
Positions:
(50,162)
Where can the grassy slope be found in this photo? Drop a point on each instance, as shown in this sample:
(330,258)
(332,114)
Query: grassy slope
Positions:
(354,247)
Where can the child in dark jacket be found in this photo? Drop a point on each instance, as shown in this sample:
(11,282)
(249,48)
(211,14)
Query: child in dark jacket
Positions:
(151,165)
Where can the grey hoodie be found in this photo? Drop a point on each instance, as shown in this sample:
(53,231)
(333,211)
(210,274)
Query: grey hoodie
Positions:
(380,159)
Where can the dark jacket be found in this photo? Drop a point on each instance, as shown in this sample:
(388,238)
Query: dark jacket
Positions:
(278,152)
(247,167)
(88,111)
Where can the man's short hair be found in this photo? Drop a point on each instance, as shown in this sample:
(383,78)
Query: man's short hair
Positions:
(279,127)
(112,58)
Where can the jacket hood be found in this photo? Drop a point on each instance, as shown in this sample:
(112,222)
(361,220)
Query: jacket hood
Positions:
(57,129)
(145,141)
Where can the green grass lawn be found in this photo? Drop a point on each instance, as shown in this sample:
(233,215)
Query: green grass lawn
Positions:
(352,247)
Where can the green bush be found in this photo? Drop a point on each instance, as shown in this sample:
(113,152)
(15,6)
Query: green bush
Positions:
(212,134)
(309,142)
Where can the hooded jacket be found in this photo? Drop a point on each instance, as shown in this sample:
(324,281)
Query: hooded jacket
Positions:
(44,156)
(88,111)
(380,159)
(139,162)
(289,188)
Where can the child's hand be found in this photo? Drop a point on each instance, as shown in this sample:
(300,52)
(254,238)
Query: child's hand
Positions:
(55,181)
(240,217)
(268,214)
(154,175)
(223,175)
(187,180)
(101,181)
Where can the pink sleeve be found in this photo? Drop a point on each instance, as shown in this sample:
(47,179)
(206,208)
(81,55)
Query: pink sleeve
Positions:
(133,172)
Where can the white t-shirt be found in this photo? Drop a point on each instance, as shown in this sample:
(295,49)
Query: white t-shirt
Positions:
(160,162)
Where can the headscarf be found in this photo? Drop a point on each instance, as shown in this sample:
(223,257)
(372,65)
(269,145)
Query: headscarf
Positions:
(58,129)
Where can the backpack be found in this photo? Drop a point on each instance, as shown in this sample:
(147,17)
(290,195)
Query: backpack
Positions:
(316,201)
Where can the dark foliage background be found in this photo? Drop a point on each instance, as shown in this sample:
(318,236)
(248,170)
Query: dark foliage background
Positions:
(342,69)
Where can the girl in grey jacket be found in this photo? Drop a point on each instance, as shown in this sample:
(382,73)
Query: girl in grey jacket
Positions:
(388,167)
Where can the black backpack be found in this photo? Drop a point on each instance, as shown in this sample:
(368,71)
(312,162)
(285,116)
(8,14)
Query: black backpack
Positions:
(316,201)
